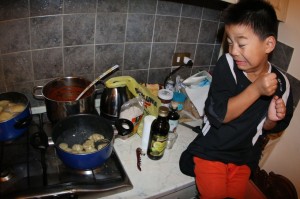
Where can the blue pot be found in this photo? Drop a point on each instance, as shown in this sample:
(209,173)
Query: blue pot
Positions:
(16,126)
(76,129)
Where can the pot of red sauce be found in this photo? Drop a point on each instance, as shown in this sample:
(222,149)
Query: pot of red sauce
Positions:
(60,96)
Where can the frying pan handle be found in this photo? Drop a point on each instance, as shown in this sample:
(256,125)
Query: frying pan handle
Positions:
(124,127)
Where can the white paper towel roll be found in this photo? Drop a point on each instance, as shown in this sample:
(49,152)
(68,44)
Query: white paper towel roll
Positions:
(146,131)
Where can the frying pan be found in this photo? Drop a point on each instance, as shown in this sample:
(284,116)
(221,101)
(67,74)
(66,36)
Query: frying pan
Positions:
(76,129)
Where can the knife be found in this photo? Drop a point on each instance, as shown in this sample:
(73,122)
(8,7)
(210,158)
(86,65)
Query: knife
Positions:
(196,129)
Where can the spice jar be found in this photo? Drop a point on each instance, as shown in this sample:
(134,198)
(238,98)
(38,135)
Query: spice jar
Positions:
(165,97)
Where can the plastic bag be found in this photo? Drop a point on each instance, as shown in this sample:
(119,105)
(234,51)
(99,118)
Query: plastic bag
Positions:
(133,111)
(151,102)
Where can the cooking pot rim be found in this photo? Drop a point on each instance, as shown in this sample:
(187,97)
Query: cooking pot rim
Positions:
(50,83)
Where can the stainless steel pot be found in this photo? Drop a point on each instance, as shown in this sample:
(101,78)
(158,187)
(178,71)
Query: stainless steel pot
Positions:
(60,97)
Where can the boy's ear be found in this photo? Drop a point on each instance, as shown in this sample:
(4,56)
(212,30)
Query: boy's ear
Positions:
(270,43)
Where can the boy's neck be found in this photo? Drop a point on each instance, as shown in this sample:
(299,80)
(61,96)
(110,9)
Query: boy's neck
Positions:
(252,76)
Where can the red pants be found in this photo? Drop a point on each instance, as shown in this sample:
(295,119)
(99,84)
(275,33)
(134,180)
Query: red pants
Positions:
(216,180)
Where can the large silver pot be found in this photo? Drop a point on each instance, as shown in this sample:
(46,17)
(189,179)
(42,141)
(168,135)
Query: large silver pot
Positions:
(60,97)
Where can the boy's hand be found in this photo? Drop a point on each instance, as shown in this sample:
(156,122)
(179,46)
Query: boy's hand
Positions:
(277,109)
(266,84)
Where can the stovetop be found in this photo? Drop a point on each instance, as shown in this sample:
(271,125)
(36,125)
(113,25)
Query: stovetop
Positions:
(30,172)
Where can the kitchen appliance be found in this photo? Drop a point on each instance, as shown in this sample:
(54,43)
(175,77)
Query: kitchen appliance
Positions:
(60,96)
(18,122)
(111,101)
(30,168)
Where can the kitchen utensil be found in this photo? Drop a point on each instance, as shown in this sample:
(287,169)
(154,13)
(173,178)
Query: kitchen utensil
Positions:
(19,123)
(196,129)
(76,129)
(138,152)
(96,80)
(59,96)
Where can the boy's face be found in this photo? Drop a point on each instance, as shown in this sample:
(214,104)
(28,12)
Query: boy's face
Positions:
(248,51)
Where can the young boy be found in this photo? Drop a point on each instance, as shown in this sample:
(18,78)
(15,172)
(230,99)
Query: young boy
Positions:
(248,99)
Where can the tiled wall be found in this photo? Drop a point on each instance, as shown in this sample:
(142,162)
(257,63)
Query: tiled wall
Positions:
(43,40)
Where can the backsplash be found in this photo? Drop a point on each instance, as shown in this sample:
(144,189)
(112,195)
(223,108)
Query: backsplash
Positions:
(43,40)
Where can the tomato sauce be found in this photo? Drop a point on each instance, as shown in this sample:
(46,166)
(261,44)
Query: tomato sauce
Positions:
(67,93)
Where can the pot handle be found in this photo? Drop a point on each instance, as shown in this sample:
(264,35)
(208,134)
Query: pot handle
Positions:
(124,127)
(22,123)
(34,90)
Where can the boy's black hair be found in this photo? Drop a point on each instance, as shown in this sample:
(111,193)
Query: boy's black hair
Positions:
(258,14)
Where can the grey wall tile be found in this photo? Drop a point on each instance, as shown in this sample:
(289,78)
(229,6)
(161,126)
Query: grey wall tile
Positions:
(14,36)
(26,89)
(157,76)
(110,28)
(164,29)
(295,86)
(47,63)
(108,56)
(203,54)
(45,7)
(139,75)
(162,54)
(208,31)
(17,67)
(46,32)
(79,60)
(13,9)
(211,14)
(142,6)
(192,11)
(137,56)
(215,56)
(282,56)
(188,30)
(79,6)
(169,8)
(186,48)
(112,5)
(139,28)
(78,29)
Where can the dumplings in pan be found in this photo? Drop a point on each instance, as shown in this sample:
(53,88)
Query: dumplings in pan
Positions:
(96,137)
(77,147)
(5,116)
(87,147)
(4,103)
(16,108)
(9,109)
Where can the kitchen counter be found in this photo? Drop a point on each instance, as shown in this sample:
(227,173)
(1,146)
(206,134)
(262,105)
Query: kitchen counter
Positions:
(158,178)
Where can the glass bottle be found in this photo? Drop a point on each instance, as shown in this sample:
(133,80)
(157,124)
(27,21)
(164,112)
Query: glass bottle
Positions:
(173,117)
(158,135)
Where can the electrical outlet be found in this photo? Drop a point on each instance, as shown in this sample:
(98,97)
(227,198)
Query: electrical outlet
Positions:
(178,58)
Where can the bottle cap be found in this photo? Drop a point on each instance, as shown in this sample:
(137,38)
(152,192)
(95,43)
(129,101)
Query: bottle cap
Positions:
(163,111)
(165,94)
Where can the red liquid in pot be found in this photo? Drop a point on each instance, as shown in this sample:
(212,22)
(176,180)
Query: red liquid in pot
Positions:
(67,93)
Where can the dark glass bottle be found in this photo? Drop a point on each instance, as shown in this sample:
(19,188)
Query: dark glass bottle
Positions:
(158,135)
(173,117)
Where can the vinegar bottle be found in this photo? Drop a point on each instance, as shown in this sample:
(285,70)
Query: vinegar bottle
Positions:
(158,135)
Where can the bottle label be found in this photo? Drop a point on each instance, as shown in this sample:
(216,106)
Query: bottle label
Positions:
(173,124)
(158,145)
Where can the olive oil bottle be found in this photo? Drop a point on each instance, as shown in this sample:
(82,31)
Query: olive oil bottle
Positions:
(159,135)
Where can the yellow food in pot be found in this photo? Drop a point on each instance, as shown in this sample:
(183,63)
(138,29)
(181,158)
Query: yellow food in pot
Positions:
(5,116)
(16,108)
(4,103)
